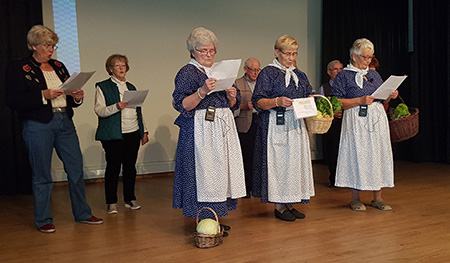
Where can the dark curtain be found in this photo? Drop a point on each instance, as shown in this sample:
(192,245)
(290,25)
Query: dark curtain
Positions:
(385,23)
(16,18)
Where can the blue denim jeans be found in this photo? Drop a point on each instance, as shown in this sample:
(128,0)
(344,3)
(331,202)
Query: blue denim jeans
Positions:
(40,139)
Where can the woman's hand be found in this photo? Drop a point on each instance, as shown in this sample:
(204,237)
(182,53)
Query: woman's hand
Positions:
(144,139)
(78,94)
(210,84)
(52,94)
(393,95)
(231,93)
(366,100)
(284,102)
(121,105)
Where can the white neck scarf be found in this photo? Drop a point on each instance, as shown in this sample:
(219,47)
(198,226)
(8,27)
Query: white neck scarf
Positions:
(198,65)
(289,72)
(360,73)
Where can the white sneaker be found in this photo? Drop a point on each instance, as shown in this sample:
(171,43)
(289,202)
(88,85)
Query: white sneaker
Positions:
(112,209)
(132,205)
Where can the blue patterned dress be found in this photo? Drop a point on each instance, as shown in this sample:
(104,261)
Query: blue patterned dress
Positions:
(187,81)
(271,84)
(365,159)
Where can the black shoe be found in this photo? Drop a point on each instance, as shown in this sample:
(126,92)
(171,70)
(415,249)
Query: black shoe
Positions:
(297,213)
(225,227)
(286,215)
(225,234)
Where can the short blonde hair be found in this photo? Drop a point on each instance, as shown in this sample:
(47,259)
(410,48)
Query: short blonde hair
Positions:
(285,42)
(359,45)
(201,36)
(40,34)
(111,60)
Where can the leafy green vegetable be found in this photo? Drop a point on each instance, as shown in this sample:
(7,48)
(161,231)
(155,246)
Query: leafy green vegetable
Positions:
(400,111)
(324,107)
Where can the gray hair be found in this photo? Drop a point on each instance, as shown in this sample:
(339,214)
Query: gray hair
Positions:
(40,34)
(201,36)
(247,62)
(333,62)
(359,45)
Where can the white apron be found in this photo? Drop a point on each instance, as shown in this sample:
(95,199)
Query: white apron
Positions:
(365,159)
(219,168)
(290,178)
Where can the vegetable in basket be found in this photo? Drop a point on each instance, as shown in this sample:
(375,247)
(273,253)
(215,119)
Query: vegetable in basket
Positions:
(323,107)
(208,226)
(400,111)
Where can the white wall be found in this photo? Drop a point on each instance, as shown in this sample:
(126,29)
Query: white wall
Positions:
(153,36)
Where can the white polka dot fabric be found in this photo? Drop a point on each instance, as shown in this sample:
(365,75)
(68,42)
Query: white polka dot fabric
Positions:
(290,177)
(219,167)
(365,159)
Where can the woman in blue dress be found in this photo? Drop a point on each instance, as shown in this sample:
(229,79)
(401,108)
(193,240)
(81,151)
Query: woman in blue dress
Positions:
(282,161)
(208,167)
(365,161)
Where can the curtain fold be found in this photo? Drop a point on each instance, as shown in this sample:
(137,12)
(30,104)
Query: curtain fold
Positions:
(16,18)
(385,23)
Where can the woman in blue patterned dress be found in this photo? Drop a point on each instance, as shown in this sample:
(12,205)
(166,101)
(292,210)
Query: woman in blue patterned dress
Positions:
(282,161)
(365,159)
(208,167)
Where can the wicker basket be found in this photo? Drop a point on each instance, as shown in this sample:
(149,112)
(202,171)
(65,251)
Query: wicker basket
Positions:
(405,127)
(319,125)
(208,240)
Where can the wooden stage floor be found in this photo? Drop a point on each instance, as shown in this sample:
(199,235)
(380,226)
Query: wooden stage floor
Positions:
(417,230)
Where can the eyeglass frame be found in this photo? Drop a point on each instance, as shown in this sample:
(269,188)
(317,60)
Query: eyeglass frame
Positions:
(48,47)
(289,54)
(204,52)
(367,58)
(255,70)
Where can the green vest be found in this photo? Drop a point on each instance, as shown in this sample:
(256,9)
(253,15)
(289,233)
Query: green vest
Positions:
(110,128)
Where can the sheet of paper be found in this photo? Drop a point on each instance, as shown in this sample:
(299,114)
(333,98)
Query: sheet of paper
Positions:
(135,98)
(389,86)
(304,107)
(76,81)
(225,72)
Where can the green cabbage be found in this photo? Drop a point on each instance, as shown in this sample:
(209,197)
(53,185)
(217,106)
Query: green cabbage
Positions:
(208,226)
(400,111)
(324,107)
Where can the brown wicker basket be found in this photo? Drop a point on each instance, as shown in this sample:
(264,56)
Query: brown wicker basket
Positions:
(208,240)
(319,125)
(405,127)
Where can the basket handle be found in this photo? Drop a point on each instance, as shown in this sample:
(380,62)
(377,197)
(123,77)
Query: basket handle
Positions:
(321,96)
(210,209)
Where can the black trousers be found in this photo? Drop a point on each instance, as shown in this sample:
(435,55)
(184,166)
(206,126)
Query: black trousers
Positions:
(247,141)
(121,153)
(331,148)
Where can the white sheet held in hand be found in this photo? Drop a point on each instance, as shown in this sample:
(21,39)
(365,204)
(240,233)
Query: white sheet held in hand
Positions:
(389,86)
(225,72)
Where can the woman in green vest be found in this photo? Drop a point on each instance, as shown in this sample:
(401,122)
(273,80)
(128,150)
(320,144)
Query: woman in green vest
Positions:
(121,130)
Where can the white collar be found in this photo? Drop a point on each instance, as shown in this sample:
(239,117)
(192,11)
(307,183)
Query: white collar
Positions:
(289,72)
(360,73)
(198,65)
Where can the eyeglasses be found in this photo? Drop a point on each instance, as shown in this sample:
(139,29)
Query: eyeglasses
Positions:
(336,69)
(288,54)
(254,70)
(212,52)
(366,58)
(48,47)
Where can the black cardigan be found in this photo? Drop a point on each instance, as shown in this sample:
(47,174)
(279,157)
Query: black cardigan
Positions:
(24,83)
